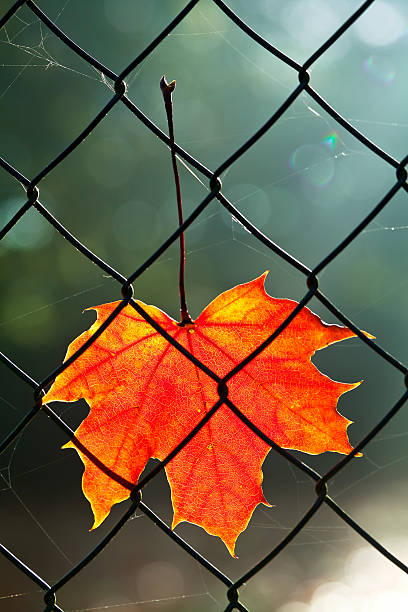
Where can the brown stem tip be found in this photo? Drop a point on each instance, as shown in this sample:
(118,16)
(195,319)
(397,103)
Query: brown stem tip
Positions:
(167,88)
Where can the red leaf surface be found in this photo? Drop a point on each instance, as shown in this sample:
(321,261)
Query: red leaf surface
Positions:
(145,397)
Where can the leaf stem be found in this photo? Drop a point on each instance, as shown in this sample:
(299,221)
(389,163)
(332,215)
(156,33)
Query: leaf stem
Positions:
(167,90)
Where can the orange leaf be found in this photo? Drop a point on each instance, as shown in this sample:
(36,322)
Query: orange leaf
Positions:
(145,397)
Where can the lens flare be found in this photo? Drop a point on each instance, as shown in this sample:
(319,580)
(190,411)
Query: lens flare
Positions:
(330,141)
(380,69)
(314,164)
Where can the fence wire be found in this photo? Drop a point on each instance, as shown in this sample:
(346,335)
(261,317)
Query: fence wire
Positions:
(321,481)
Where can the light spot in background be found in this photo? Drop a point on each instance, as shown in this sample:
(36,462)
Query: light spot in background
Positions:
(287,574)
(311,22)
(380,69)
(370,583)
(158,580)
(330,142)
(30,232)
(365,562)
(365,582)
(382,24)
(333,596)
(314,164)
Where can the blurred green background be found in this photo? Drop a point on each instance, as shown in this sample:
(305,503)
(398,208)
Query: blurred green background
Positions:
(306,184)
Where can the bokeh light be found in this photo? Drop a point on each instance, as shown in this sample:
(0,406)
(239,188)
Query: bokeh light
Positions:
(318,19)
(380,69)
(31,232)
(381,25)
(331,140)
(314,164)
(369,584)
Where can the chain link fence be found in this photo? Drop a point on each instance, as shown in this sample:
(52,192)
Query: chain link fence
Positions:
(320,482)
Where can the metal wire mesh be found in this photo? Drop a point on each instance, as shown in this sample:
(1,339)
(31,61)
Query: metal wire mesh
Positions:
(320,481)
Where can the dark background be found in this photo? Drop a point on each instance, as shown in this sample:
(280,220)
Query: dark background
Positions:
(306,184)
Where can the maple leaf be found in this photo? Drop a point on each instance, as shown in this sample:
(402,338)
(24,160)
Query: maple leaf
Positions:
(145,397)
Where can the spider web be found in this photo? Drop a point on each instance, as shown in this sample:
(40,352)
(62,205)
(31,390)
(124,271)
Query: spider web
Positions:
(315,159)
